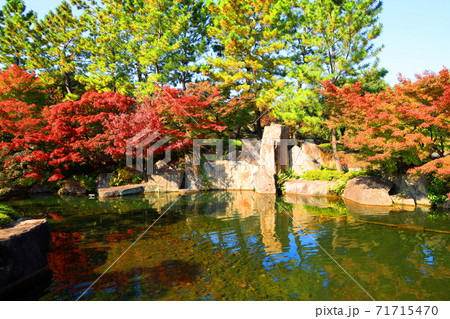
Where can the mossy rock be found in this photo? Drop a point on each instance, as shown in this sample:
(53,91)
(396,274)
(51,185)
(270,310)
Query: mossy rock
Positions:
(5,220)
(8,211)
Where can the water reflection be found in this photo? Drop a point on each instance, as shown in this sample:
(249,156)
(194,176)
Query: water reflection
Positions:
(241,246)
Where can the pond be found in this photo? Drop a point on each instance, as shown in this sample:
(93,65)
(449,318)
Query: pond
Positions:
(240,246)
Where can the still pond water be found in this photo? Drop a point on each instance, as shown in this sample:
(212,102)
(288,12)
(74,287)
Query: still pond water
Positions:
(241,246)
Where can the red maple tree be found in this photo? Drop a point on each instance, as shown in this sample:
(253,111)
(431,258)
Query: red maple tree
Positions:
(400,128)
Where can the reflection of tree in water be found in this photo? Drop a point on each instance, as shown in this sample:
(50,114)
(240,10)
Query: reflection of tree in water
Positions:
(236,246)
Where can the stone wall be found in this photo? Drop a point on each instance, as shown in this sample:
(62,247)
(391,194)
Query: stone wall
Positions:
(23,252)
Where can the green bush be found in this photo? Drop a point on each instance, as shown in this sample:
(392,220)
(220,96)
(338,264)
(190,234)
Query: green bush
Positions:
(322,175)
(285,176)
(437,192)
(137,179)
(8,211)
(5,220)
(341,178)
(87,182)
(122,176)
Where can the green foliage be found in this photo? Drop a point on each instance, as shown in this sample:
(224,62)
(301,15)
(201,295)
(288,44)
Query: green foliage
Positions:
(341,178)
(340,147)
(6,210)
(285,176)
(87,182)
(137,179)
(437,192)
(122,176)
(16,33)
(327,41)
(5,220)
(322,175)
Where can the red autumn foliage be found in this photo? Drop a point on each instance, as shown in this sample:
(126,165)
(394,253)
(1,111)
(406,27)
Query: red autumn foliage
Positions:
(399,128)
(17,84)
(93,131)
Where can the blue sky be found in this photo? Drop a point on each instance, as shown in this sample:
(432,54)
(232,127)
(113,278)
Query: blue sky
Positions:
(416,35)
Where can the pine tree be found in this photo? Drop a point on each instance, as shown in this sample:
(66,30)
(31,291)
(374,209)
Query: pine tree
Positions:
(16,31)
(56,49)
(337,40)
(249,62)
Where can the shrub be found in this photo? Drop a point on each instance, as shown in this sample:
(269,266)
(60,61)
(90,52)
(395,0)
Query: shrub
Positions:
(10,212)
(285,176)
(137,179)
(341,178)
(87,182)
(5,220)
(122,176)
(437,192)
(322,175)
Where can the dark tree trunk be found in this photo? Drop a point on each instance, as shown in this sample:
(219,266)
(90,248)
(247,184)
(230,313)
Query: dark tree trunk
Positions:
(67,83)
(258,127)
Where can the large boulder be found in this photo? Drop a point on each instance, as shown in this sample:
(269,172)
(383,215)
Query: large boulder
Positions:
(416,189)
(230,175)
(265,181)
(193,175)
(304,187)
(274,148)
(23,251)
(300,162)
(40,189)
(251,149)
(402,200)
(103,180)
(121,190)
(318,154)
(368,190)
(167,182)
(72,187)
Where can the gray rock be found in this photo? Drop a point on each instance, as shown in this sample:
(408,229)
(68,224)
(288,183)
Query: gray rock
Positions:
(274,148)
(230,175)
(368,190)
(23,251)
(167,182)
(72,187)
(121,191)
(193,176)
(251,149)
(304,187)
(103,180)
(40,189)
(300,162)
(416,189)
(265,181)
(319,155)
(403,200)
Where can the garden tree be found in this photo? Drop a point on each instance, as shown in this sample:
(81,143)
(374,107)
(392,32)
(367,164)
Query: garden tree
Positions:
(69,136)
(192,41)
(16,31)
(109,66)
(92,132)
(222,109)
(249,63)
(399,128)
(56,48)
(337,40)
(18,85)
(168,38)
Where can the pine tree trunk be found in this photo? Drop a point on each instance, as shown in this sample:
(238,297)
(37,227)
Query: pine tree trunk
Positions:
(334,147)
(183,81)
(67,83)
(258,128)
